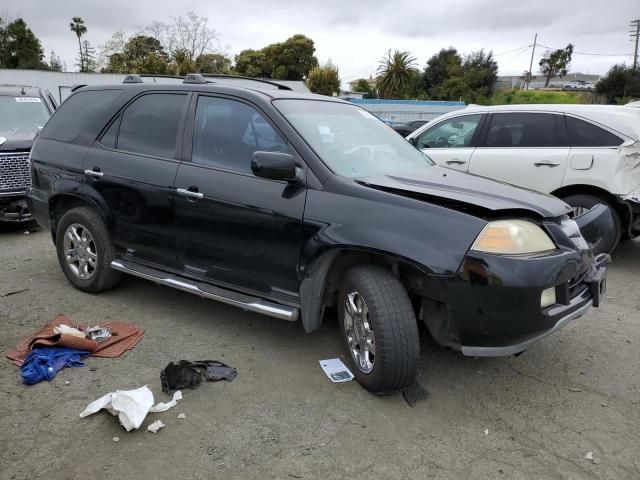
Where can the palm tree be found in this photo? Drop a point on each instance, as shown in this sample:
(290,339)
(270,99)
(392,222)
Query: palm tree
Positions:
(395,74)
(77,26)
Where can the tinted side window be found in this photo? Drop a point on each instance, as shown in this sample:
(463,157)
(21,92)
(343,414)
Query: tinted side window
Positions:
(585,134)
(109,137)
(76,113)
(526,130)
(150,124)
(227,133)
(453,133)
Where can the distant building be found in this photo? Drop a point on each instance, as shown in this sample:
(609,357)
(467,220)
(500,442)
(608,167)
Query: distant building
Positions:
(60,83)
(371,81)
(508,82)
(407,110)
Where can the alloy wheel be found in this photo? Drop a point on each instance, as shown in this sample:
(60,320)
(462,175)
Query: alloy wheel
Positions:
(359,332)
(80,251)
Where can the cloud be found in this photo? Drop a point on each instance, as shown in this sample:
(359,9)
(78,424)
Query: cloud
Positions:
(355,35)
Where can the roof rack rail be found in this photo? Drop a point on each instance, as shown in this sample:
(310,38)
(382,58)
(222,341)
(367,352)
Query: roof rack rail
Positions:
(134,78)
(194,78)
(261,80)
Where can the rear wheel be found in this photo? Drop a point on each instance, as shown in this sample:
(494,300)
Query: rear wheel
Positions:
(85,251)
(379,329)
(582,204)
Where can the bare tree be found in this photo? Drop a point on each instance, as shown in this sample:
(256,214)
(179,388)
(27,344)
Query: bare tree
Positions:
(114,45)
(191,34)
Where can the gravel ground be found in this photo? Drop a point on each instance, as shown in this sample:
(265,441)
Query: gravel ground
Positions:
(532,416)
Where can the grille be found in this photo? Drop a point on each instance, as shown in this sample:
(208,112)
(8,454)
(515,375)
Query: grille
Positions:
(14,171)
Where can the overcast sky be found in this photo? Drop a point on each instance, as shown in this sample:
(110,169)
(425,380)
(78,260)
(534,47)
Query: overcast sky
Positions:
(355,35)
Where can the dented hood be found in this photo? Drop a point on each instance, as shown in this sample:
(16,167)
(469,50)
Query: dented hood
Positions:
(463,188)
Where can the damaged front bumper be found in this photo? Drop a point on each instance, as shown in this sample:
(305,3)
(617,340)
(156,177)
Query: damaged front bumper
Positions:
(13,208)
(495,305)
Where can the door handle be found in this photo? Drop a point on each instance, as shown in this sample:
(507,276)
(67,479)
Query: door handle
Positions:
(189,193)
(95,173)
(547,163)
(455,161)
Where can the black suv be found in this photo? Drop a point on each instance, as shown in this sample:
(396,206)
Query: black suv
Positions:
(23,111)
(285,204)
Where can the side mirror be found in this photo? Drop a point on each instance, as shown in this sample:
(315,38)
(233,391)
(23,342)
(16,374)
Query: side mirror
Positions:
(273,165)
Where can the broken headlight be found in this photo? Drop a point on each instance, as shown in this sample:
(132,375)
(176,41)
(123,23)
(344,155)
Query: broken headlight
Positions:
(513,237)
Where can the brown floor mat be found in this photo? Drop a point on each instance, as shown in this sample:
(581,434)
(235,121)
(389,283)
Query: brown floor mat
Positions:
(123,337)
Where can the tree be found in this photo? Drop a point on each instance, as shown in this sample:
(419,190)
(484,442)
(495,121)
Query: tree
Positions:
(480,73)
(181,62)
(55,64)
(555,63)
(362,86)
(139,54)
(292,59)
(115,45)
(77,26)
(20,47)
(189,35)
(252,63)
(324,79)
(87,60)
(213,63)
(395,74)
(619,84)
(446,64)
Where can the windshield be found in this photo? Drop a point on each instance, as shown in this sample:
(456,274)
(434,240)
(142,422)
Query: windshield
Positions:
(350,140)
(21,115)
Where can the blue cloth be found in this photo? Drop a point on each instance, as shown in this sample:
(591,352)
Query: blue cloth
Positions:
(45,362)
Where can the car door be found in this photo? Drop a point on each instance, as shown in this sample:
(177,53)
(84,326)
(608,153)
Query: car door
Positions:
(450,142)
(236,229)
(133,166)
(529,149)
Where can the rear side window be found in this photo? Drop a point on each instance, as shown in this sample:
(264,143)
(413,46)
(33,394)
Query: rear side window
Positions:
(150,125)
(76,113)
(525,130)
(585,134)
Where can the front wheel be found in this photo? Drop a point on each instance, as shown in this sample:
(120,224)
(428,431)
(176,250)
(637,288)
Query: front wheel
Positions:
(582,204)
(379,329)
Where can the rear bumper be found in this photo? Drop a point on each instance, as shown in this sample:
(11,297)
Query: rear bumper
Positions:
(13,207)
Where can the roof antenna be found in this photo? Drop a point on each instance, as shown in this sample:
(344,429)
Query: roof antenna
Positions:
(22,92)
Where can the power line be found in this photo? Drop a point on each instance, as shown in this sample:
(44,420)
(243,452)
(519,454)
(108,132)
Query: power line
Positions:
(512,51)
(635,35)
(590,53)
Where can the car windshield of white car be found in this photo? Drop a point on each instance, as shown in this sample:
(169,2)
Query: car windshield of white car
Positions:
(350,140)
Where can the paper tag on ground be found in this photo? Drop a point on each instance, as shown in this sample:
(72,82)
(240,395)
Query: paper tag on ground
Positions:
(336,370)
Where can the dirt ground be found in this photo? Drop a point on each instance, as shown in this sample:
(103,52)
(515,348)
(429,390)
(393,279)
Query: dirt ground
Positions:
(532,416)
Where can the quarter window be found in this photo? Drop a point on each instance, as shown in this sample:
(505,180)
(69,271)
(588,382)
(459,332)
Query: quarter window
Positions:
(150,125)
(525,130)
(227,133)
(453,133)
(585,134)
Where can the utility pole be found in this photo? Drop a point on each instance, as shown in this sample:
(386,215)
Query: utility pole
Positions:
(533,51)
(635,34)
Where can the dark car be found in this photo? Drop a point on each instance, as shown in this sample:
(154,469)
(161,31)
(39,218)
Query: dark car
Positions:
(285,204)
(23,111)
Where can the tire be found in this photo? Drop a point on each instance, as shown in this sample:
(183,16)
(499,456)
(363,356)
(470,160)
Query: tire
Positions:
(393,324)
(88,238)
(590,201)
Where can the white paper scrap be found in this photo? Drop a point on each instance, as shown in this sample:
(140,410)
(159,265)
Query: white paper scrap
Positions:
(155,426)
(131,406)
(336,370)
(161,407)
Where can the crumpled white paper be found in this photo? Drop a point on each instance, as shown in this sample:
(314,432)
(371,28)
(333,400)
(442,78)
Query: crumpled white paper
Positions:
(155,426)
(131,406)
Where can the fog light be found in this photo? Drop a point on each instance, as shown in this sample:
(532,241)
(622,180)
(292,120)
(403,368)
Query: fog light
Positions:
(548,297)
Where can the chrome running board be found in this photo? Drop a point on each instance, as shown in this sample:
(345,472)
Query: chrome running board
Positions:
(246,302)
